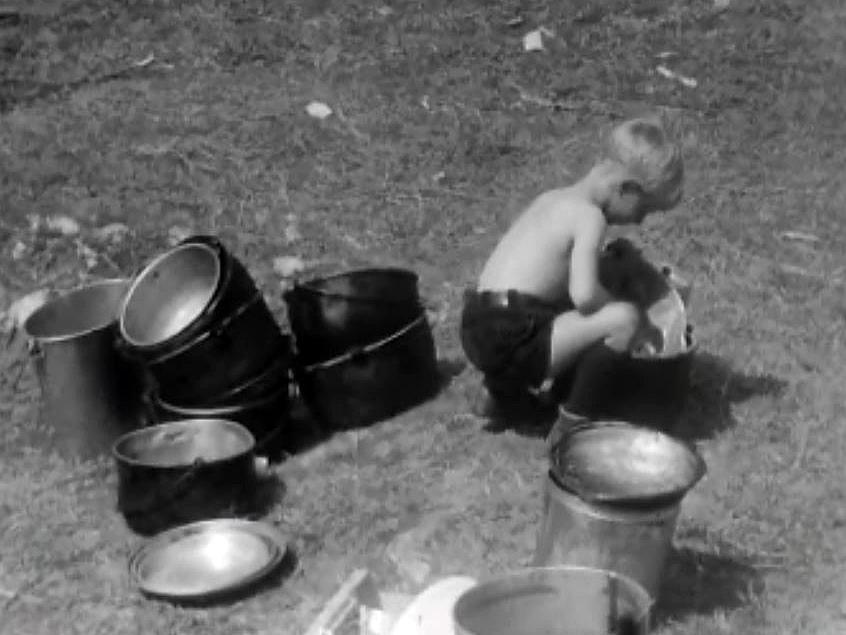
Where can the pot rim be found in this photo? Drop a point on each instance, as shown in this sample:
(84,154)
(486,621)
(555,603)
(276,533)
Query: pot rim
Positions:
(668,498)
(420,320)
(78,289)
(689,351)
(217,412)
(308,285)
(141,276)
(247,436)
(543,572)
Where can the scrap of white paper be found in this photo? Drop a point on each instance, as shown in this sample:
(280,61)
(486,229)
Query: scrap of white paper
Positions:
(63,224)
(23,307)
(533,41)
(318,110)
(689,82)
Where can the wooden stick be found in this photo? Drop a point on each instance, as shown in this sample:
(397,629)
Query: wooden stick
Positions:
(340,605)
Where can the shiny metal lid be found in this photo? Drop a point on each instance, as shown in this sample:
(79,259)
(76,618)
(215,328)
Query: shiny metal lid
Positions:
(206,559)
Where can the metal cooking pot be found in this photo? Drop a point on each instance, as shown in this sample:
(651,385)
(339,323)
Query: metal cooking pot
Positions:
(633,540)
(183,471)
(225,356)
(611,385)
(374,382)
(265,417)
(561,600)
(331,315)
(90,394)
(235,286)
(169,295)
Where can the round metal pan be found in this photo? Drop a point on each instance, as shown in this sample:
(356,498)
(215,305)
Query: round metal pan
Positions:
(206,560)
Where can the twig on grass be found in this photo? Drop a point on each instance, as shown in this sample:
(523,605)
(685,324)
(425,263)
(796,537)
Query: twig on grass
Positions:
(800,236)
(358,134)
(456,193)
(10,597)
(129,71)
(559,105)
(801,448)
(543,102)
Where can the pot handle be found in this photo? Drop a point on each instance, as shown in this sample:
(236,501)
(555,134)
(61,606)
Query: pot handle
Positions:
(358,356)
(36,356)
(209,239)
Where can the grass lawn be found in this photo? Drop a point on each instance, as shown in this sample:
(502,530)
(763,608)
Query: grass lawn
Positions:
(442,128)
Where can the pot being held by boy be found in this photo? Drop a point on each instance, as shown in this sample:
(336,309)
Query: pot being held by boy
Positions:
(539,302)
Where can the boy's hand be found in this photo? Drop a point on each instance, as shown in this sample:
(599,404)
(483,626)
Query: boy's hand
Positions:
(649,338)
(626,273)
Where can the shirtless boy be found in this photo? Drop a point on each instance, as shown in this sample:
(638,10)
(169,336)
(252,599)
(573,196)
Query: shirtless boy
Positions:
(539,302)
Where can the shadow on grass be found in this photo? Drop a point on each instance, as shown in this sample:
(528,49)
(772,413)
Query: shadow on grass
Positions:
(700,414)
(306,429)
(714,388)
(698,583)
(526,416)
(268,492)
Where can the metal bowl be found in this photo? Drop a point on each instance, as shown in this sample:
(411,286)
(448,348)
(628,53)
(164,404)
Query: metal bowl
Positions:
(170,294)
(206,559)
(616,462)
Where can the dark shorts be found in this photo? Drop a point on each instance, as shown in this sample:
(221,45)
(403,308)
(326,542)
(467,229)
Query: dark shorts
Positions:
(507,335)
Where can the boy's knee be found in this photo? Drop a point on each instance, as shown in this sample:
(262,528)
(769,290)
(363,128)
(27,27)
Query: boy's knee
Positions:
(623,322)
(622,316)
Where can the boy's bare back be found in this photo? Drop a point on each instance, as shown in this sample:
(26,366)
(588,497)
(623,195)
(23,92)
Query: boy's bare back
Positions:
(534,256)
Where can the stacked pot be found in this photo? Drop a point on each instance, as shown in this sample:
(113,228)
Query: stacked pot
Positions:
(209,344)
(363,346)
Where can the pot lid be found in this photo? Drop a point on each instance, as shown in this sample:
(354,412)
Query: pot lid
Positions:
(620,463)
(206,559)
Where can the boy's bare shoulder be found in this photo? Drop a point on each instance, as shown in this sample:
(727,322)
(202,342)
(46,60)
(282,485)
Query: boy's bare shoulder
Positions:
(568,205)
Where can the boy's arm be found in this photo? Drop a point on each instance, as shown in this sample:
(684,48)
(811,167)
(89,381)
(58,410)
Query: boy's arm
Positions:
(586,291)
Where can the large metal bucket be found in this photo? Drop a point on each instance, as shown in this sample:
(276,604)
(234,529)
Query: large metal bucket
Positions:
(631,540)
(90,393)
(561,600)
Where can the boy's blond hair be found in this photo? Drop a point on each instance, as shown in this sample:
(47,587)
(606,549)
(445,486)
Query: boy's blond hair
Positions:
(653,160)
